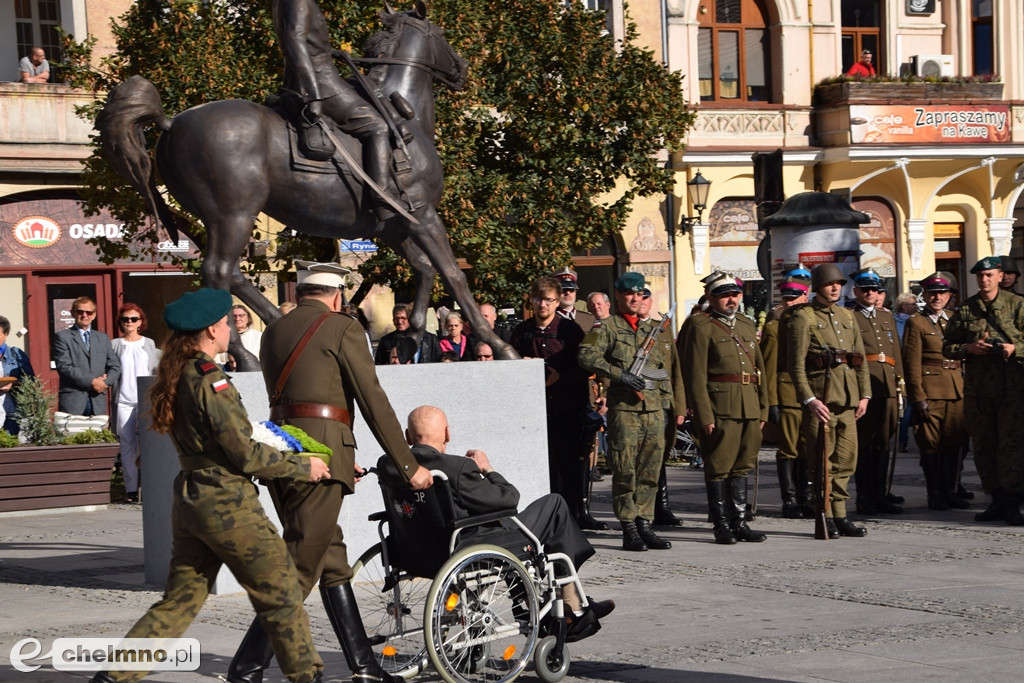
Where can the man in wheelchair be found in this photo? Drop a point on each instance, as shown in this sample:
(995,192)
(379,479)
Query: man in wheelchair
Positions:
(477,489)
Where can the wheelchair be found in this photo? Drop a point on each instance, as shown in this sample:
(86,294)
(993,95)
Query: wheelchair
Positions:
(477,598)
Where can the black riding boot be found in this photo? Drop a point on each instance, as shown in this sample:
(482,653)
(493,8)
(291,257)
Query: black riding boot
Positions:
(377,164)
(933,482)
(737,523)
(662,514)
(994,511)
(949,468)
(254,654)
(718,491)
(588,521)
(787,487)
(1011,510)
(343,612)
(885,506)
(804,497)
(864,476)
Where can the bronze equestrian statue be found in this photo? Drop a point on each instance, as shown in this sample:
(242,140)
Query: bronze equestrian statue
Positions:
(229,160)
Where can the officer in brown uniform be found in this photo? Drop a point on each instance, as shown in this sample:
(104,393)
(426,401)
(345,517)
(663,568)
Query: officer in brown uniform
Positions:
(784,409)
(316,367)
(935,388)
(722,374)
(885,365)
(823,335)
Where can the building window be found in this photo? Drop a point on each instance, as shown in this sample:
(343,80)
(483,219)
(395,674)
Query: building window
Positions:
(982,43)
(36,23)
(862,28)
(733,51)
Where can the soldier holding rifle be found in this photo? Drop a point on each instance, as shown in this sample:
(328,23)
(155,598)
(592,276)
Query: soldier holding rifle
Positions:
(824,336)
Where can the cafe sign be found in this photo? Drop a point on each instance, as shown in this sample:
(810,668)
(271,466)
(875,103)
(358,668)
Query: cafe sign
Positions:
(923,124)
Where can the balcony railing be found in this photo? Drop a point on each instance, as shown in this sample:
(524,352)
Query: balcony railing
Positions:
(39,130)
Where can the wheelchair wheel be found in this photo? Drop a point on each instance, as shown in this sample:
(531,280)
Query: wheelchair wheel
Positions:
(391,605)
(481,617)
(549,668)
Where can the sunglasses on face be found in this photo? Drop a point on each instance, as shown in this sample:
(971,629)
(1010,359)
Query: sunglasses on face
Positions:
(130,319)
(870,289)
(81,312)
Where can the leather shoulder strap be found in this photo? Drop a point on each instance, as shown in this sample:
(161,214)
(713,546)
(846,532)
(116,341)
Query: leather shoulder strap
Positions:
(296,352)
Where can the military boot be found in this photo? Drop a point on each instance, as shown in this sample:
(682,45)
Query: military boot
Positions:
(790,508)
(1011,510)
(342,610)
(662,513)
(587,521)
(933,482)
(254,655)
(994,511)
(949,466)
(885,506)
(631,538)
(650,539)
(847,528)
(802,479)
(737,522)
(717,493)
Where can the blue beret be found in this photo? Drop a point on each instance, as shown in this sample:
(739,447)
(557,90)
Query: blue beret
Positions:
(866,278)
(630,282)
(987,263)
(198,309)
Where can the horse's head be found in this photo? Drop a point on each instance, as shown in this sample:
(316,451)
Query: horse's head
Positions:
(413,39)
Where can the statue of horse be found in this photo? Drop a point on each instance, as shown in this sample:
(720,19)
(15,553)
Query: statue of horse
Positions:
(229,160)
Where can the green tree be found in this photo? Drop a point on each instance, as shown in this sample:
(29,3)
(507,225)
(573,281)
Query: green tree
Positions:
(555,114)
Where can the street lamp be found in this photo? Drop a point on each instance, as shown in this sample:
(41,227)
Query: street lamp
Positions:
(697,189)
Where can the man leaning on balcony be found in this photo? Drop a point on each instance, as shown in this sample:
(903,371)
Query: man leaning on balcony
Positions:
(34,68)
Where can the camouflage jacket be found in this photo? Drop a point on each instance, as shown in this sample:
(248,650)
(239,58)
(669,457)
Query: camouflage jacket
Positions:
(1003,318)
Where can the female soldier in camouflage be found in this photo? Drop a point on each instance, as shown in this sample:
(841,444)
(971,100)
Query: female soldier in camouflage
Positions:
(216,516)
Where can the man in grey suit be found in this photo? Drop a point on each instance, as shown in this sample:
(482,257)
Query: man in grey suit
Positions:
(86,363)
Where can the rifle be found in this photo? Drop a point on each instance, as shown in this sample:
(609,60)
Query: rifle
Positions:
(822,483)
(640,359)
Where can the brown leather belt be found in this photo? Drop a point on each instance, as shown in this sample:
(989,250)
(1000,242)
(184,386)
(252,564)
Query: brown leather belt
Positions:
(832,359)
(744,378)
(319,410)
(881,358)
(945,364)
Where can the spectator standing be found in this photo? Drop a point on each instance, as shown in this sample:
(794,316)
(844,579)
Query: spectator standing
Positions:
(86,363)
(636,411)
(490,314)
(1011,273)
(864,68)
(13,363)
(986,334)
(138,357)
(427,351)
(454,340)
(33,67)
(567,300)
(249,336)
(599,305)
(483,351)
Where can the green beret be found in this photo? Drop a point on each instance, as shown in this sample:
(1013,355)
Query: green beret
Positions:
(198,309)
(630,282)
(987,263)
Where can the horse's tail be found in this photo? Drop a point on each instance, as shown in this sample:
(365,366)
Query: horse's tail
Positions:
(130,107)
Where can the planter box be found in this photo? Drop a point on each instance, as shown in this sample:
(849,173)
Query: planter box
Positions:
(898,92)
(39,477)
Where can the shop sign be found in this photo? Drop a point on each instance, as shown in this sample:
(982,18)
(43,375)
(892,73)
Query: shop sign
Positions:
(922,124)
(734,220)
(36,232)
(358,246)
(920,7)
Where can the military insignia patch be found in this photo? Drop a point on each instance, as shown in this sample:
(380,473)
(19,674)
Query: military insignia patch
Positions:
(404,508)
(205,367)
(220,385)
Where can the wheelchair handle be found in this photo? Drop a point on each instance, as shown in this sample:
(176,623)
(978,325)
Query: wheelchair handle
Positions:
(437,474)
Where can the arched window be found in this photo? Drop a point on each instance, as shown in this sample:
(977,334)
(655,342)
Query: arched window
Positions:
(734,51)
(981,37)
(862,28)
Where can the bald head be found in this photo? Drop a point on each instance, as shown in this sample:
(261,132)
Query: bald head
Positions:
(427,425)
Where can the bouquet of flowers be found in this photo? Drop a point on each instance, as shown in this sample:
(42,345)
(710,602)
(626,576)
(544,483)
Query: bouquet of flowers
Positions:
(289,439)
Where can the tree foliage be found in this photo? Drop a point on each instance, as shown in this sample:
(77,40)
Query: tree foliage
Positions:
(555,114)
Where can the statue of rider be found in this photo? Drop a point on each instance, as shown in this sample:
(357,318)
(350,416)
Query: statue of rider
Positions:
(309,72)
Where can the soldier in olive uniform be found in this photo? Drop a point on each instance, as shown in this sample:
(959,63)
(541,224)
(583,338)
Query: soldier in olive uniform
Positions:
(784,409)
(987,332)
(935,389)
(723,370)
(216,515)
(330,374)
(823,335)
(885,366)
(636,415)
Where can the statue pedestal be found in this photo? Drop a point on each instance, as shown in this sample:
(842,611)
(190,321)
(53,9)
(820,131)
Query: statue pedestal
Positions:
(497,407)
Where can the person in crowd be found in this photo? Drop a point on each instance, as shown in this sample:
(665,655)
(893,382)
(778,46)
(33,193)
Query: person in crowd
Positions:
(1011,273)
(286,307)
(599,305)
(567,300)
(14,364)
(427,351)
(987,334)
(85,362)
(314,383)
(216,515)
(249,335)
(33,68)
(825,336)
(877,428)
(556,340)
(636,410)
(403,352)
(454,340)
(138,356)
(935,389)
(722,369)
(784,409)
(864,68)
(478,489)
(482,351)
(490,314)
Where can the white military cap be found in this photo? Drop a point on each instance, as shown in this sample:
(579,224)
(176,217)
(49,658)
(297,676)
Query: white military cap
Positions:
(325,274)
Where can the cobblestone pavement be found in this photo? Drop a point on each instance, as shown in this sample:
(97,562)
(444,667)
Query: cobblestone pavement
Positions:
(925,596)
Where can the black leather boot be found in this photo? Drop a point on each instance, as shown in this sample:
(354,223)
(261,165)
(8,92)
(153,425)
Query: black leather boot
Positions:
(737,523)
(1011,510)
(847,528)
(650,539)
(631,538)
(885,506)
(994,511)
(864,476)
(932,482)
(787,486)
(802,479)
(717,493)
(949,466)
(253,655)
(662,514)
(342,610)
(587,521)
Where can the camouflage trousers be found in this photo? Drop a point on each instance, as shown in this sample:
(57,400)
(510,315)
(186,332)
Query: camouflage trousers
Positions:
(636,450)
(257,557)
(841,445)
(996,426)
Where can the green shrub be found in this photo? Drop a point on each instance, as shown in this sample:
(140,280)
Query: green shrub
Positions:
(7,440)
(35,411)
(90,436)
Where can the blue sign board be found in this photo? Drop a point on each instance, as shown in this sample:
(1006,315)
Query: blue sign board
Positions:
(357,246)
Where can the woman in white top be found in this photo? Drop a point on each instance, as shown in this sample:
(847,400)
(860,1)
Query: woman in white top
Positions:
(139,356)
